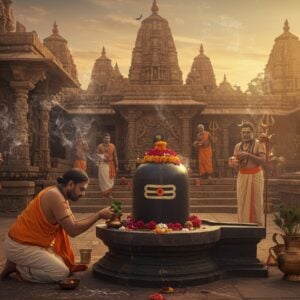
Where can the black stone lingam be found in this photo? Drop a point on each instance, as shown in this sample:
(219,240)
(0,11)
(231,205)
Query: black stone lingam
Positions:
(161,193)
(177,258)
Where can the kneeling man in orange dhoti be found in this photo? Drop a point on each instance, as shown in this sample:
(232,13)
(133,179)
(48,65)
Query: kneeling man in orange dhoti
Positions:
(248,157)
(37,246)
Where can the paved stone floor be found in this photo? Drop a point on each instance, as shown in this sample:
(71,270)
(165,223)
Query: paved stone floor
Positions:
(271,288)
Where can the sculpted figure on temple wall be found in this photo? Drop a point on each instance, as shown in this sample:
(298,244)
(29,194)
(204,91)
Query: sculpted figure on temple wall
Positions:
(6,16)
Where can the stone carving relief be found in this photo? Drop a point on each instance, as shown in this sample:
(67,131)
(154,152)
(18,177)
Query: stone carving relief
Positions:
(150,125)
(7,128)
(6,16)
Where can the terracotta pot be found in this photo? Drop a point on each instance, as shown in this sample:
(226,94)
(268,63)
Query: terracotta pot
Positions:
(289,259)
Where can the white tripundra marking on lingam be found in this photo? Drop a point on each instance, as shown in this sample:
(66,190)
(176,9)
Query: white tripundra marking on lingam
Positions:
(160,191)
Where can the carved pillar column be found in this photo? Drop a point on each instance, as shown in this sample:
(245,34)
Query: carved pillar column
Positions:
(43,151)
(225,132)
(131,117)
(20,148)
(185,116)
(186,140)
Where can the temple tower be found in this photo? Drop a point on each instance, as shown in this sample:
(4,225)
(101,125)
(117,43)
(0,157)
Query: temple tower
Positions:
(225,88)
(102,73)
(59,47)
(154,57)
(282,72)
(201,77)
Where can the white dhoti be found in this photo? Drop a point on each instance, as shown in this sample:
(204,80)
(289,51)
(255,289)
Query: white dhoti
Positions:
(34,263)
(105,182)
(250,188)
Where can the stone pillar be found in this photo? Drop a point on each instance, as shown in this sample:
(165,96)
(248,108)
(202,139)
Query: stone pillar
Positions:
(185,116)
(186,140)
(20,149)
(225,132)
(131,117)
(43,151)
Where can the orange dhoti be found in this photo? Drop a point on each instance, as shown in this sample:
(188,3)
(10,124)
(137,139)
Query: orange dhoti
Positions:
(80,164)
(250,186)
(205,155)
(41,251)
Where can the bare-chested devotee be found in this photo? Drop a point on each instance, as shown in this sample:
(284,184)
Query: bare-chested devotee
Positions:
(204,145)
(79,151)
(37,246)
(248,157)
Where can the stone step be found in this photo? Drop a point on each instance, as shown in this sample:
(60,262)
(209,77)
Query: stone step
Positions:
(193,208)
(94,208)
(117,194)
(230,209)
(218,187)
(128,201)
(192,181)
(198,194)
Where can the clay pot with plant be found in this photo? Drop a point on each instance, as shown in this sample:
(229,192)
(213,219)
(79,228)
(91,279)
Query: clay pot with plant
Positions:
(288,220)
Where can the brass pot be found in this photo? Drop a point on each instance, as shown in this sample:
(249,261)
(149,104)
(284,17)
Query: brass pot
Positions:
(289,259)
(115,221)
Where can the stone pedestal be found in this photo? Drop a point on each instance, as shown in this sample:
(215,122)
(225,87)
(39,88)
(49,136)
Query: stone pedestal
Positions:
(145,258)
(148,259)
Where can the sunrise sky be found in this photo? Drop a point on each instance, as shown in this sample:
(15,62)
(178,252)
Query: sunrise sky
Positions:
(237,35)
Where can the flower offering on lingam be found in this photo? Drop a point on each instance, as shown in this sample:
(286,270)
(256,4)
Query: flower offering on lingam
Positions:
(161,194)
(160,154)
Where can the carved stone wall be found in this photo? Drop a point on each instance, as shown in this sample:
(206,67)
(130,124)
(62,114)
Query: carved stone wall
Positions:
(164,123)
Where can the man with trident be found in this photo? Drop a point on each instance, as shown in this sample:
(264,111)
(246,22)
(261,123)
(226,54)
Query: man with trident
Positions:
(248,157)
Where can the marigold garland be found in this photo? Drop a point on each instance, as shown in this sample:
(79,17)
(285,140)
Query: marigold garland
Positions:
(160,154)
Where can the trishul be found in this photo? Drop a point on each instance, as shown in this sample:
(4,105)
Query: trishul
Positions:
(266,122)
(213,127)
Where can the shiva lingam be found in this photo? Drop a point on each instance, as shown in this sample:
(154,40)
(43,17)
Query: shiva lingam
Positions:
(173,258)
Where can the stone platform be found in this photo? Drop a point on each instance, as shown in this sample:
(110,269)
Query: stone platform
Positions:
(143,258)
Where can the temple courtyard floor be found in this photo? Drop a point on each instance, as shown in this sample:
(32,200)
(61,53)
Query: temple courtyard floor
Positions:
(273,287)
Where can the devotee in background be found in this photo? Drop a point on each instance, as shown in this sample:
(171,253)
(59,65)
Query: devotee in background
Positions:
(108,166)
(248,157)
(79,152)
(37,246)
(204,145)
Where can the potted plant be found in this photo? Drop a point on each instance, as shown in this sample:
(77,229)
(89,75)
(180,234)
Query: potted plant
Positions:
(288,220)
(115,221)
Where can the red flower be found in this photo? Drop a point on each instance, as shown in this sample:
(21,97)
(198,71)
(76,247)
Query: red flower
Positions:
(139,224)
(196,221)
(157,296)
(151,225)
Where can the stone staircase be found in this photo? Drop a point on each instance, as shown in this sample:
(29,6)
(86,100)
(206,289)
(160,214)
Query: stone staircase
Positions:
(217,195)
